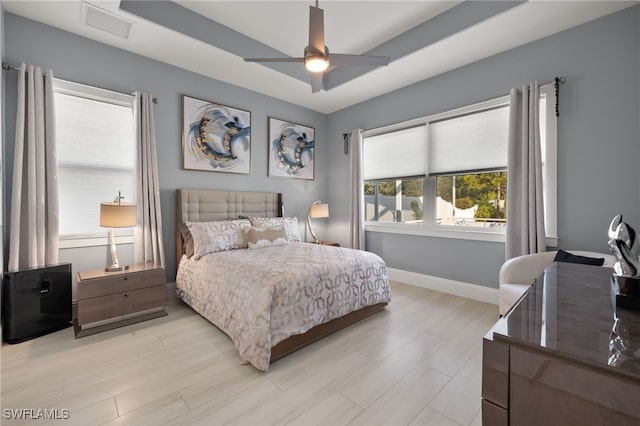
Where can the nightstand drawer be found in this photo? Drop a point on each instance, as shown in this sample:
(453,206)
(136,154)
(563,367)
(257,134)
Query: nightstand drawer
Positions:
(114,306)
(119,282)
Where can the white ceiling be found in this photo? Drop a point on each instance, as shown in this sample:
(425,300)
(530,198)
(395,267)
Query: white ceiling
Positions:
(350,27)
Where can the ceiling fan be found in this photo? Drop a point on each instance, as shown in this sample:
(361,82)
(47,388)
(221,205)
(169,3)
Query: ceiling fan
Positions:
(317,59)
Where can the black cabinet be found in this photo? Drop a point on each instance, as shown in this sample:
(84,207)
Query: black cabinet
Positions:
(36,302)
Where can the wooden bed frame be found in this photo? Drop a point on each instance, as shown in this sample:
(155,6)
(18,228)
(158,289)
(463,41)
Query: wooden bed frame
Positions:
(207,205)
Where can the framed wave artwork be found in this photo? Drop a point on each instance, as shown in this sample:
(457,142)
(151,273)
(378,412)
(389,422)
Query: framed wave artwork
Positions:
(291,150)
(215,137)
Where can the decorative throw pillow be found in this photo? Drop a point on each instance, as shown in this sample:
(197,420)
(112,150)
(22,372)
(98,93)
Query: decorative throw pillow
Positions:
(260,237)
(220,235)
(565,256)
(289,223)
(187,239)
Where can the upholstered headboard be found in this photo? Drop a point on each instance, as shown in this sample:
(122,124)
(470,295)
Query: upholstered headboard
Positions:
(202,205)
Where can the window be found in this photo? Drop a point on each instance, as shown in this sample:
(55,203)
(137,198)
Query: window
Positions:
(394,200)
(461,184)
(474,199)
(96,154)
(468,158)
(395,165)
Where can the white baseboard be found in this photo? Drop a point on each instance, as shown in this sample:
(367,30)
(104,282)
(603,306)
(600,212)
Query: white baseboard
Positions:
(457,288)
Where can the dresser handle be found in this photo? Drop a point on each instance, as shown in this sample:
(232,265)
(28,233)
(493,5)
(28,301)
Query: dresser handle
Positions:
(126,295)
(126,278)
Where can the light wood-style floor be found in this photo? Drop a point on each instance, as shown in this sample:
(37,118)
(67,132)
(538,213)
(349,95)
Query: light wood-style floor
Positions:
(416,363)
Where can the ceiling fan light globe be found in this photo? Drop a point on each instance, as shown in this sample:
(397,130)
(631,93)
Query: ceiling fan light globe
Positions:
(316,64)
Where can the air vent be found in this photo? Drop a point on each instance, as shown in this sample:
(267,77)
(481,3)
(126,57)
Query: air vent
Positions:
(105,20)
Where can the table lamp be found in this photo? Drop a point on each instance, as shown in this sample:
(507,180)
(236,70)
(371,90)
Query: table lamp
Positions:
(117,215)
(316,210)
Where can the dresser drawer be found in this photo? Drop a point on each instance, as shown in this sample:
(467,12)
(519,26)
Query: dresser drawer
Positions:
(118,283)
(495,372)
(492,415)
(114,306)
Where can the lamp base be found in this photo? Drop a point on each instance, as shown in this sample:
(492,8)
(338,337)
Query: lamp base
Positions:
(116,268)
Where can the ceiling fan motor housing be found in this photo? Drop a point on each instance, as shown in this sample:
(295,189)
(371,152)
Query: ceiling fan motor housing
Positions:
(313,57)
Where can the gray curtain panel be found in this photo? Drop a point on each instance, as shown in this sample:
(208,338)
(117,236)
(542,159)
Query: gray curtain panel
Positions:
(525,212)
(356,196)
(33,238)
(148,242)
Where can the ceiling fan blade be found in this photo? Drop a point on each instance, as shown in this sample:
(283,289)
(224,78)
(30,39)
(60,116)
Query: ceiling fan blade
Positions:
(273,59)
(316,29)
(340,59)
(317,81)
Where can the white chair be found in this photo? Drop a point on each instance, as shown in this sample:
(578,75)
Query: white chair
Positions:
(517,274)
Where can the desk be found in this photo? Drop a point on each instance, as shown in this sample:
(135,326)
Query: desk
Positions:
(560,356)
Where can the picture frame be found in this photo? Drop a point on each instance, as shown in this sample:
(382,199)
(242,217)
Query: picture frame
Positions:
(291,150)
(215,137)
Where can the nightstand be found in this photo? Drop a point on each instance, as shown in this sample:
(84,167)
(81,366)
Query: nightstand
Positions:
(329,243)
(108,300)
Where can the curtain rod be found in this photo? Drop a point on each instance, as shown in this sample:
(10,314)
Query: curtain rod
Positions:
(556,83)
(414,122)
(7,66)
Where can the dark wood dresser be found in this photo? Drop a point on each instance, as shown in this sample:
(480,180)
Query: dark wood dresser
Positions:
(563,355)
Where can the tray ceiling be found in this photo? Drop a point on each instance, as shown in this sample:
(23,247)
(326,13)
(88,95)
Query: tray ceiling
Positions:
(423,38)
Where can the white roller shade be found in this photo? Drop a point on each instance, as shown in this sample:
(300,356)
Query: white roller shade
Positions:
(96,153)
(396,155)
(471,143)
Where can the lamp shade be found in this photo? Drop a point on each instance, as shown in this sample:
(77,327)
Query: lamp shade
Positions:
(117,215)
(319,210)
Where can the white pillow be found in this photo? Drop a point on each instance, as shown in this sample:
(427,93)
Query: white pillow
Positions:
(260,237)
(220,235)
(289,223)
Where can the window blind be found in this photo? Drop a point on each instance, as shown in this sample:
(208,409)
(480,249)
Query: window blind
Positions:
(471,143)
(96,154)
(396,155)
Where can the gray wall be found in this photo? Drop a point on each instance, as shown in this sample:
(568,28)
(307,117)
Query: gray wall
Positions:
(85,61)
(598,134)
(598,141)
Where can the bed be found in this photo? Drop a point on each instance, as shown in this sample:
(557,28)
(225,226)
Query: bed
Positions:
(270,299)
